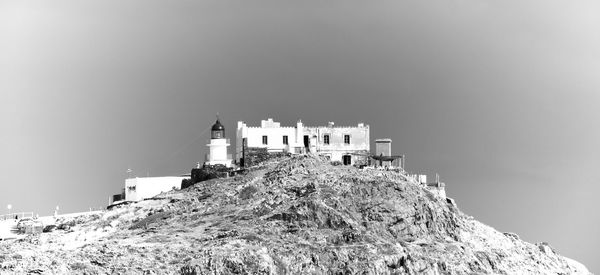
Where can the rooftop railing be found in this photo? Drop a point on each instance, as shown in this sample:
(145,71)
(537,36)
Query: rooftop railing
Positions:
(227,140)
(16,216)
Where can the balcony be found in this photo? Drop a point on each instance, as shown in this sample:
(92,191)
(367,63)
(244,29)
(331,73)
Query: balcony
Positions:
(213,142)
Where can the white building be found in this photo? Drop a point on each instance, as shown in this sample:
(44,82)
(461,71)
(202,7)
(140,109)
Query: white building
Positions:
(349,145)
(137,189)
(438,188)
(218,146)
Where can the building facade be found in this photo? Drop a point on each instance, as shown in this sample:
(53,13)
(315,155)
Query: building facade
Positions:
(349,145)
(383,148)
(137,189)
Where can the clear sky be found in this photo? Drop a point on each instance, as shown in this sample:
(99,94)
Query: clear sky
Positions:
(499,97)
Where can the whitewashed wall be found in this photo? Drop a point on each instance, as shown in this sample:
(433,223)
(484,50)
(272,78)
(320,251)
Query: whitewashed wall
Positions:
(359,139)
(137,189)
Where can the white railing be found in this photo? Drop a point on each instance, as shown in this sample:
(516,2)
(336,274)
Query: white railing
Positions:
(227,141)
(16,216)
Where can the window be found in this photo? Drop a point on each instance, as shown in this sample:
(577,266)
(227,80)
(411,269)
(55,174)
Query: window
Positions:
(285,140)
(326,139)
(347,139)
(264,140)
(347,159)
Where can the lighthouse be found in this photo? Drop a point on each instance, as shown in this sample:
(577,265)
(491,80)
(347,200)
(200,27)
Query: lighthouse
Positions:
(218,146)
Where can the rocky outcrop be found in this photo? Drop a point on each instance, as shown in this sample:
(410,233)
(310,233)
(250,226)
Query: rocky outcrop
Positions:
(297,215)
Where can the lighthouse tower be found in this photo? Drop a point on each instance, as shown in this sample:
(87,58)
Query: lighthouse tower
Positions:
(218,146)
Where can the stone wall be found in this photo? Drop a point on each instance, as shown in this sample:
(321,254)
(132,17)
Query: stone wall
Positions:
(254,156)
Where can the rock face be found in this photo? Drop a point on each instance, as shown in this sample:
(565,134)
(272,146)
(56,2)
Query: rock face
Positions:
(296,215)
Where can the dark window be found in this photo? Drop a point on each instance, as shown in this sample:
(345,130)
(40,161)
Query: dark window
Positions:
(326,139)
(347,139)
(265,140)
(285,140)
(347,159)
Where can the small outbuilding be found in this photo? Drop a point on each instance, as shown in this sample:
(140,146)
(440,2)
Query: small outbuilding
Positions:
(137,189)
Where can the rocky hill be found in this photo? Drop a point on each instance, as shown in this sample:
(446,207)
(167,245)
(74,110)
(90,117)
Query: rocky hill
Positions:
(296,215)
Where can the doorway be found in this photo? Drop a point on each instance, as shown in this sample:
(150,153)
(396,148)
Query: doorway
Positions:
(347,159)
(306,143)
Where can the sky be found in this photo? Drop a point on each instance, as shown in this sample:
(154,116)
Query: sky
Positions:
(498,97)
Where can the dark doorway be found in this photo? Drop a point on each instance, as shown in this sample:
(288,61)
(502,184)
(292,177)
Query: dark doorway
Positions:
(347,159)
(244,146)
(306,141)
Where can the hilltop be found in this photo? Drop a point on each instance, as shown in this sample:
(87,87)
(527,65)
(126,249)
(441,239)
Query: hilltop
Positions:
(297,215)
